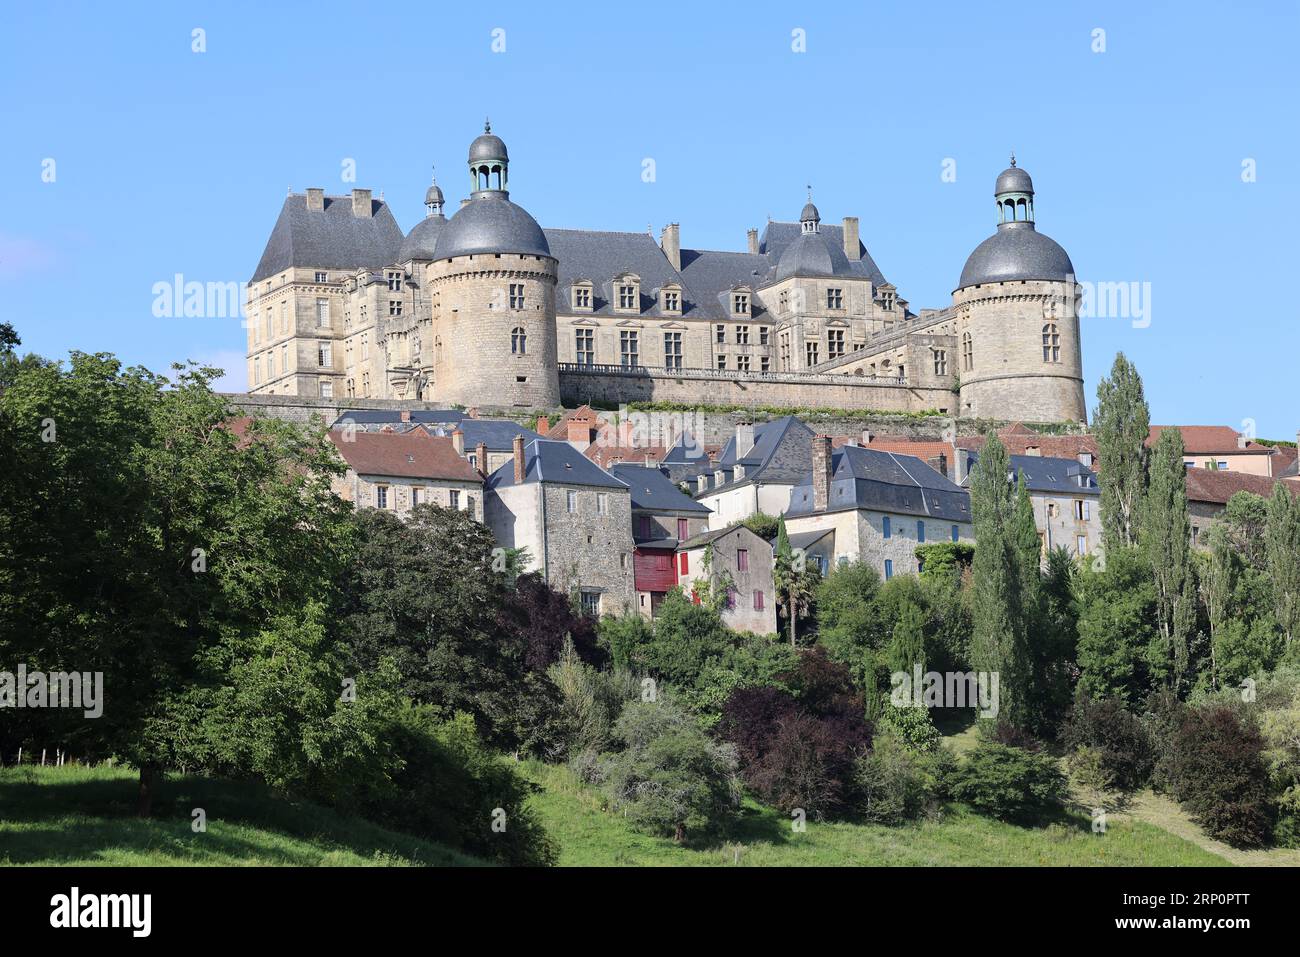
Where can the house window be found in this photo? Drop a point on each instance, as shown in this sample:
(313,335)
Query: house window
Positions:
(834,298)
(889,568)
(629,349)
(454,497)
(920,530)
(834,343)
(581,297)
(585,346)
(572,500)
(740,304)
(1081,544)
(672,350)
(683,564)
(742,559)
(602,503)
(1051,343)
(721,332)
(415,495)
(644,527)
(810,353)
(940,362)
(758,601)
(381,496)
(469,505)
(672,302)
(1082,510)
(394,282)
(516,295)
(326,389)
(885,529)
(1221,465)
(954,533)
(683,530)
(324,354)
(967,353)
(518,341)
(627,297)
(323,313)
(591,604)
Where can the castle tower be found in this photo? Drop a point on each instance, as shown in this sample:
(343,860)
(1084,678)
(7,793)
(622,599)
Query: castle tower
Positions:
(1017,318)
(491,285)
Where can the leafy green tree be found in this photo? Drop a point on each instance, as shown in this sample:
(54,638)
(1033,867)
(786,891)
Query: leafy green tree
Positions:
(1282,548)
(847,621)
(1010,783)
(794,581)
(1165,536)
(1218,580)
(999,643)
(907,647)
(1245,519)
(763,525)
(687,637)
(625,637)
(1121,423)
(1115,610)
(945,559)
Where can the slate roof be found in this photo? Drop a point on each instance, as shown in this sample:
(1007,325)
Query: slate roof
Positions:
(706,538)
(332,238)
(361,417)
(497,434)
(555,463)
(1047,474)
(489,223)
(414,454)
(780,455)
(1016,251)
(423,237)
(778,235)
(654,491)
(807,540)
(885,482)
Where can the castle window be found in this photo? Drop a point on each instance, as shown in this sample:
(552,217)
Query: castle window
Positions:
(518,341)
(742,335)
(627,297)
(887,300)
(721,334)
(1051,343)
(764,364)
(351,387)
(516,295)
(395,281)
(394,307)
(324,354)
(967,353)
(810,353)
(940,362)
(322,277)
(629,349)
(257,369)
(672,350)
(323,313)
(284,319)
(740,304)
(365,384)
(834,298)
(284,358)
(326,389)
(722,362)
(762,335)
(602,503)
(581,297)
(834,343)
(672,302)
(584,346)
(783,301)
(742,363)
(365,345)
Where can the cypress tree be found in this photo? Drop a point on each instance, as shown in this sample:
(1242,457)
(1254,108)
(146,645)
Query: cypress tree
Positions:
(1121,423)
(1166,539)
(1282,554)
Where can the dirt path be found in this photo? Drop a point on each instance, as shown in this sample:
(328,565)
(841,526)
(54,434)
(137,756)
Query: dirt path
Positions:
(1165,813)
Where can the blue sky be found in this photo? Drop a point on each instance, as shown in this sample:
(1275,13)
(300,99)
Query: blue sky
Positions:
(169,161)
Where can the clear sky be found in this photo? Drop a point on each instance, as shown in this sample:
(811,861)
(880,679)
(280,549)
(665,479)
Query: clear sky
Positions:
(170,161)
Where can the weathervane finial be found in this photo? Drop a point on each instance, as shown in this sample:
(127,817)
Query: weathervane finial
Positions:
(810,192)
(487,125)
(1013,157)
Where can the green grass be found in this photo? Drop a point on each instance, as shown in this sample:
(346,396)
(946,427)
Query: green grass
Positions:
(86,816)
(590,836)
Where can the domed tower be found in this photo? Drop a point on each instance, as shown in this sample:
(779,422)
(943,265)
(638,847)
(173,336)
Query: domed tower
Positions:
(492,296)
(1017,318)
(423,237)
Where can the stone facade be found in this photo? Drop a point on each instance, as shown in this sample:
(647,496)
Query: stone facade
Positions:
(399,493)
(746,560)
(861,535)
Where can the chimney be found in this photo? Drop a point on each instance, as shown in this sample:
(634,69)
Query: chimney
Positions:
(939,463)
(1242,440)
(753,242)
(851,241)
(480,456)
(458,441)
(519,459)
(580,432)
(543,425)
(315,199)
(472,412)
(821,469)
(702,482)
(361,203)
(405,415)
(744,438)
(866,437)
(671,243)
(961,465)
(650,461)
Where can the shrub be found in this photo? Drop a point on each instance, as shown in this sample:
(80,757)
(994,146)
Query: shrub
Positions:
(1009,783)
(1215,768)
(807,765)
(894,783)
(912,726)
(1091,777)
(669,778)
(1122,740)
(1013,737)
(590,702)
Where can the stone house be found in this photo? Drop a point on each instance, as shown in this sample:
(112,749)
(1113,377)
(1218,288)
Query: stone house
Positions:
(662,518)
(1065,497)
(879,506)
(1220,447)
(1208,491)
(573,517)
(742,561)
(756,471)
(399,470)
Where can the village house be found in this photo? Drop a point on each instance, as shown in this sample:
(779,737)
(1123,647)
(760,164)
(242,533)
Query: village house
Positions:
(879,505)
(756,471)
(739,561)
(1065,497)
(399,470)
(1222,448)
(1208,491)
(574,519)
(662,518)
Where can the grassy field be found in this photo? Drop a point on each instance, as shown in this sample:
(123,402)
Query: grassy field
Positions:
(85,816)
(590,836)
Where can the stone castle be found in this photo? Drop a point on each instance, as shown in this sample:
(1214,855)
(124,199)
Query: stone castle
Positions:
(487,309)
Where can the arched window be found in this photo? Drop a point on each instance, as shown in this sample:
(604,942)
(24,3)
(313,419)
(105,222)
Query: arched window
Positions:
(1051,343)
(518,341)
(967,353)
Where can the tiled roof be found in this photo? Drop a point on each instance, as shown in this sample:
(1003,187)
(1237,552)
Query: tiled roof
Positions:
(331,238)
(1209,440)
(654,491)
(555,463)
(1018,440)
(413,454)
(921,448)
(1216,486)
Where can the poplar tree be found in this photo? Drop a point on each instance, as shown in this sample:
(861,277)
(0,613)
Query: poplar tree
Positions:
(1282,553)
(1166,540)
(1121,423)
(998,638)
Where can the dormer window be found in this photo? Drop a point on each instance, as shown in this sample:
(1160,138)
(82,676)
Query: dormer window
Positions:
(395,281)
(740,304)
(670,299)
(582,295)
(629,294)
